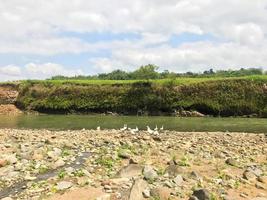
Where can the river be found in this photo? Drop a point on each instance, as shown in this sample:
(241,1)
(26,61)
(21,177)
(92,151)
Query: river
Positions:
(75,122)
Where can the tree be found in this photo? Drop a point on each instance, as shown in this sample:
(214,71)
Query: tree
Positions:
(146,72)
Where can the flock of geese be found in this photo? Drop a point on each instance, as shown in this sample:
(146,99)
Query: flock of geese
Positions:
(135,130)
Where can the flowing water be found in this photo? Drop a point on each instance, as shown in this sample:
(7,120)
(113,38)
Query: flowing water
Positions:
(65,122)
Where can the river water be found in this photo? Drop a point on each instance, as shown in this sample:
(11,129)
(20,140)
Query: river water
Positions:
(66,122)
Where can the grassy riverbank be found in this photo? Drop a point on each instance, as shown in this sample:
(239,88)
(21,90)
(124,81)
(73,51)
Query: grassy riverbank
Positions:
(211,96)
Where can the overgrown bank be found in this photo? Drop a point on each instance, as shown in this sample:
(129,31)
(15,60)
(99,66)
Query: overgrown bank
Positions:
(231,97)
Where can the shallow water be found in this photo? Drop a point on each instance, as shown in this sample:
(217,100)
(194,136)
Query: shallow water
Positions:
(64,122)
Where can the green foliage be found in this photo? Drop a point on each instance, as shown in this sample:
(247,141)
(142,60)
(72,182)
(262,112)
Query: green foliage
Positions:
(62,174)
(212,96)
(150,72)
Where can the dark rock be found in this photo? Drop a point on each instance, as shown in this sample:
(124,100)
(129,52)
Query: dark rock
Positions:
(202,194)
(231,161)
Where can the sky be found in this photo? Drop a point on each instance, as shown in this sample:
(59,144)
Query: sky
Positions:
(43,38)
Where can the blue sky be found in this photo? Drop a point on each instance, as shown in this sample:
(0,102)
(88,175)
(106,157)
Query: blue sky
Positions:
(89,37)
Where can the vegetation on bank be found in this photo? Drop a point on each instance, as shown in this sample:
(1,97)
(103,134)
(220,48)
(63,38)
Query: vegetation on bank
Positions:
(151,72)
(212,96)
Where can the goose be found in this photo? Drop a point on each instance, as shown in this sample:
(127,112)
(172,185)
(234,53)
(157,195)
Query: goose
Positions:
(149,130)
(124,128)
(156,129)
(98,128)
(136,129)
(161,129)
(156,133)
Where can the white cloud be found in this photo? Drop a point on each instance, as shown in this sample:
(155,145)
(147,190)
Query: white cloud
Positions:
(10,70)
(36,71)
(188,57)
(28,27)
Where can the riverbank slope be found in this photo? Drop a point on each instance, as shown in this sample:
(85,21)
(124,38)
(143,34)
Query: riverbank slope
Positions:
(209,96)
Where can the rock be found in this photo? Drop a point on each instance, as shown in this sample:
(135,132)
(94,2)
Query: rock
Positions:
(193,198)
(3,162)
(202,194)
(132,170)
(173,170)
(149,173)
(263,179)
(58,163)
(133,161)
(136,190)
(178,180)
(124,154)
(7,198)
(162,193)
(81,194)
(104,197)
(29,178)
(195,176)
(260,186)
(146,193)
(259,198)
(231,161)
(11,159)
(63,185)
(250,176)
(55,154)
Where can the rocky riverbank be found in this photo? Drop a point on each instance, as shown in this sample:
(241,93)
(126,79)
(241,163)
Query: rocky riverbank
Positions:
(112,164)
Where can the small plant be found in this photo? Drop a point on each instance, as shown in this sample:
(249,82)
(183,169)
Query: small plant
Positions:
(184,162)
(213,196)
(43,169)
(62,174)
(105,162)
(65,153)
(79,173)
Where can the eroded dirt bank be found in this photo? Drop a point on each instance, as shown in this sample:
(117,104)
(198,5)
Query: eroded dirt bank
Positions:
(8,96)
(123,165)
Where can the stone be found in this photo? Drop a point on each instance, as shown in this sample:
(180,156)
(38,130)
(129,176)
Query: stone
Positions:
(162,193)
(202,194)
(259,198)
(29,178)
(260,186)
(146,193)
(263,179)
(149,173)
(178,180)
(231,161)
(195,176)
(58,163)
(63,185)
(11,159)
(80,194)
(137,189)
(124,154)
(173,170)
(193,198)
(250,176)
(132,170)
(3,162)
(7,198)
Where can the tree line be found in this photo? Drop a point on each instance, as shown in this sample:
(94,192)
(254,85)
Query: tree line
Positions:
(151,72)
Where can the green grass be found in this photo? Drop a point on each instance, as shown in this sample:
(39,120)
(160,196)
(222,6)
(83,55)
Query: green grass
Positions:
(176,81)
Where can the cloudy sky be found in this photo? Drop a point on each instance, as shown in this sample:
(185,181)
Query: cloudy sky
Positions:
(41,38)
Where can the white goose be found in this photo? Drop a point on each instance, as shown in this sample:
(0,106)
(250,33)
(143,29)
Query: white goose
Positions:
(162,128)
(156,129)
(98,128)
(149,130)
(124,128)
